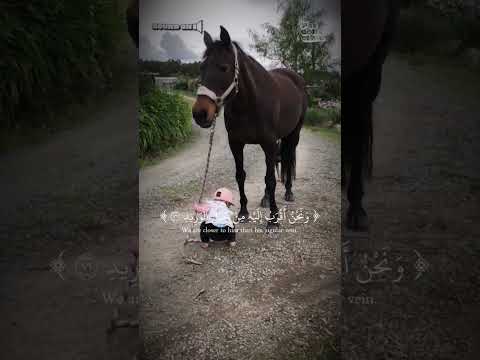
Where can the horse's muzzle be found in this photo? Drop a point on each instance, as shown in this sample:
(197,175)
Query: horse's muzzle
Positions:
(201,118)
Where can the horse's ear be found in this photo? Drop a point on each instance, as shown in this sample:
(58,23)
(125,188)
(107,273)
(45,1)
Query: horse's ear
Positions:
(224,36)
(207,39)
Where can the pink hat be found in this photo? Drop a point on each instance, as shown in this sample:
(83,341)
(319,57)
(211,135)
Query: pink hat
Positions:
(224,194)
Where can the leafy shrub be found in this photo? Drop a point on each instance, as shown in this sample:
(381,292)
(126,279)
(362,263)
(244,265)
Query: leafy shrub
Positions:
(420,30)
(165,121)
(323,117)
(146,83)
(314,93)
(333,89)
(54,49)
(193,85)
(469,32)
(437,28)
(182,84)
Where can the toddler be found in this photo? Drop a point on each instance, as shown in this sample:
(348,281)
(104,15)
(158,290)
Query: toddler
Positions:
(218,224)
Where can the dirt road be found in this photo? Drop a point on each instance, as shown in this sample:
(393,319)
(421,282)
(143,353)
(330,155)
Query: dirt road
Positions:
(423,201)
(271,296)
(74,194)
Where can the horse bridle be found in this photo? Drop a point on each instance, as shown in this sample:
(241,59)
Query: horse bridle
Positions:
(220,100)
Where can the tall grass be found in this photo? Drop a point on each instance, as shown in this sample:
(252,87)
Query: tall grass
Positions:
(165,121)
(322,117)
(53,51)
(427,30)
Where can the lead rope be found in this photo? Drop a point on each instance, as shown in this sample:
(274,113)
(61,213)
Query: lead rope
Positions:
(210,145)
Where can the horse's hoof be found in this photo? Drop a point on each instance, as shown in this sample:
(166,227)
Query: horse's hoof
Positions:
(272,224)
(289,196)
(357,219)
(243,217)
(265,202)
(272,221)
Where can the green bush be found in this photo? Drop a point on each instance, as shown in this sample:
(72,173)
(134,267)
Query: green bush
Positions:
(420,29)
(53,49)
(333,89)
(322,117)
(165,121)
(193,85)
(182,84)
(426,30)
(146,83)
(187,85)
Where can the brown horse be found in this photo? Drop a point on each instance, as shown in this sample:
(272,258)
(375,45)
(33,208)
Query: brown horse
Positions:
(261,107)
(132,20)
(367,31)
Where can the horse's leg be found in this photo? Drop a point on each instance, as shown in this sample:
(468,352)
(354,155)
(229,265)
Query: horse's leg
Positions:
(240,175)
(270,151)
(356,215)
(265,202)
(288,148)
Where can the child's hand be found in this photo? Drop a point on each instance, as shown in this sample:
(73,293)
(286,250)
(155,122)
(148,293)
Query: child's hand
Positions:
(200,208)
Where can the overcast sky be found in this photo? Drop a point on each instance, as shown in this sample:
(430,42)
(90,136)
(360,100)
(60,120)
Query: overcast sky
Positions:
(236,16)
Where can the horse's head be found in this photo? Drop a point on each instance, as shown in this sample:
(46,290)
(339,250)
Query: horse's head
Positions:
(217,74)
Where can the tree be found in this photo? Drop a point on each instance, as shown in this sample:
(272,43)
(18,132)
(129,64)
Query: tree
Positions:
(284,45)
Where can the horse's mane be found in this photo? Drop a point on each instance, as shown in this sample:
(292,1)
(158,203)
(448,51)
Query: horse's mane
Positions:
(219,45)
(259,75)
(241,51)
(216,45)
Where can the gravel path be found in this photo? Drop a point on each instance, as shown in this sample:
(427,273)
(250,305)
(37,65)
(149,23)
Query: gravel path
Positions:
(273,296)
(74,193)
(423,201)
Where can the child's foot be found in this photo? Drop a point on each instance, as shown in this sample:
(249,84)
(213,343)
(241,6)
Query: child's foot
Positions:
(191,241)
(204,245)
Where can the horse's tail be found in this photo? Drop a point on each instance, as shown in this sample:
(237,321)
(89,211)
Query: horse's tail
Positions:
(288,160)
(132,21)
(358,134)
(380,55)
(287,150)
(368,152)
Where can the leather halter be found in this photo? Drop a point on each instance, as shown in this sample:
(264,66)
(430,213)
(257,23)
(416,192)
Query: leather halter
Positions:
(220,100)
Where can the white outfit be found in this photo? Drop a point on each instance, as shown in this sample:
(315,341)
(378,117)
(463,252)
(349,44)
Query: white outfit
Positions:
(218,214)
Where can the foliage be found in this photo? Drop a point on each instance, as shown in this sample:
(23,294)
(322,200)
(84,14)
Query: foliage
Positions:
(333,88)
(445,7)
(187,73)
(165,121)
(53,52)
(328,87)
(284,44)
(146,83)
(323,117)
(182,84)
(193,85)
(437,27)
(171,68)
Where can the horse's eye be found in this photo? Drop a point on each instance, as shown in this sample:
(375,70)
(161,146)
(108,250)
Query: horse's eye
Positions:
(223,67)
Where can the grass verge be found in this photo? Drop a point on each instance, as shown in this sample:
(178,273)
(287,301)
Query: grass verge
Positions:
(331,134)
